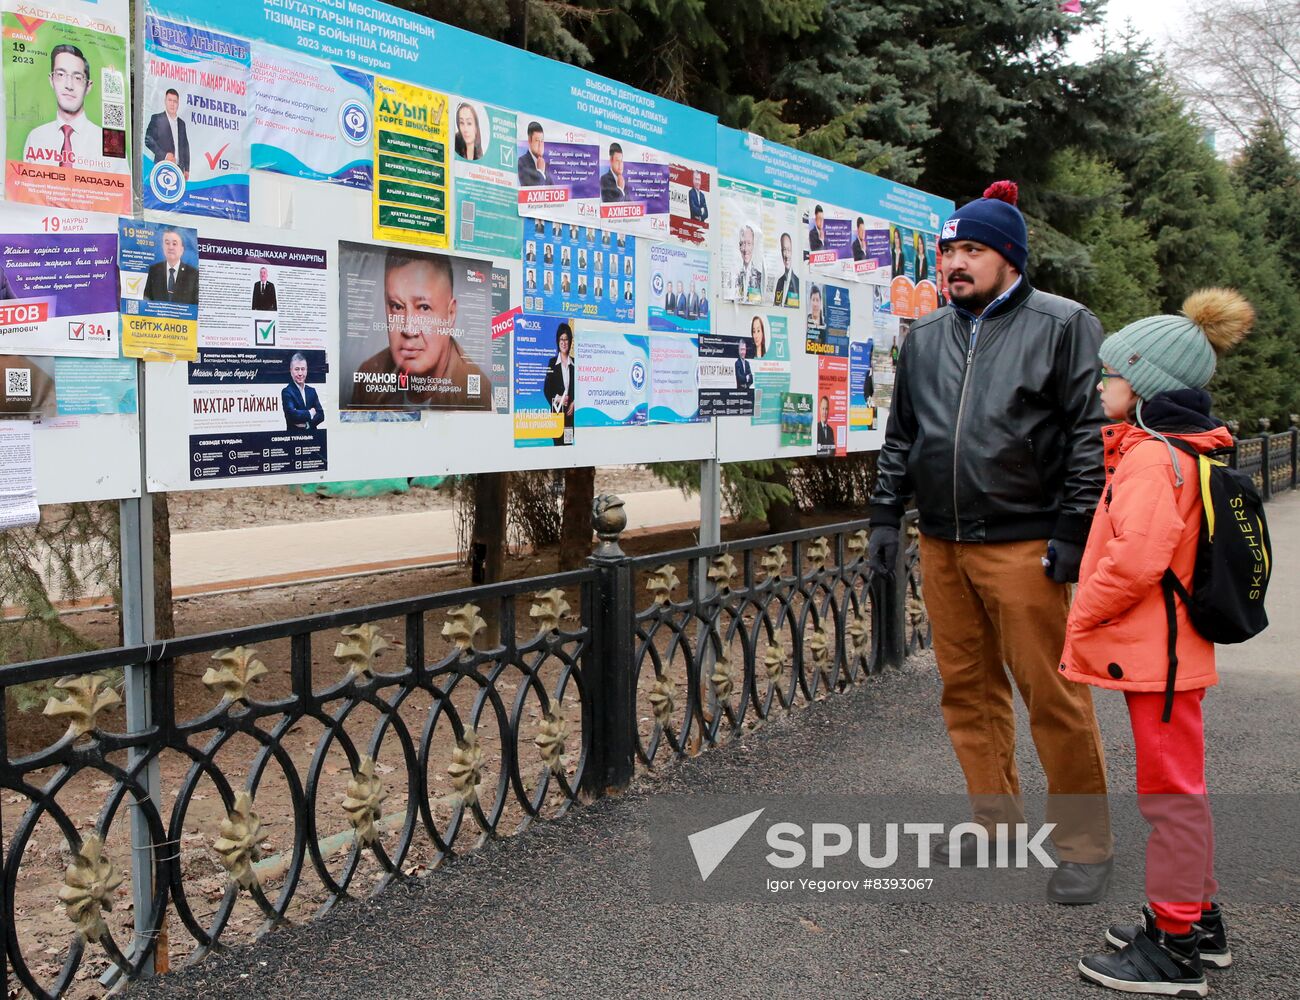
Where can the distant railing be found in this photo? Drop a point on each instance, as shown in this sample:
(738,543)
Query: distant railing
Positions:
(1272,460)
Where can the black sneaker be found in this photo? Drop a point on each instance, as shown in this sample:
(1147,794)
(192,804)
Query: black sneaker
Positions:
(1212,943)
(1162,965)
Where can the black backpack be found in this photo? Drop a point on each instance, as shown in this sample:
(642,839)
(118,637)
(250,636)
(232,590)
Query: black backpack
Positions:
(1233,561)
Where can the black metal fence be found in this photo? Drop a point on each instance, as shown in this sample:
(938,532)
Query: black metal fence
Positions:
(282,767)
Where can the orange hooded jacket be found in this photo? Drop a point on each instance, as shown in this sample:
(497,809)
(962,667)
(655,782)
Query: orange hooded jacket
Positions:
(1117,635)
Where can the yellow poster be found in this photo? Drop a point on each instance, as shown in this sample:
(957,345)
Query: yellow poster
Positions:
(158,266)
(410,190)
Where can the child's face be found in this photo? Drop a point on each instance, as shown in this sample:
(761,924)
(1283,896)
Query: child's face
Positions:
(1117,396)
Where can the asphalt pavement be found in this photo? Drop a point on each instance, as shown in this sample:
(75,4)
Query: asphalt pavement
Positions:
(565,910)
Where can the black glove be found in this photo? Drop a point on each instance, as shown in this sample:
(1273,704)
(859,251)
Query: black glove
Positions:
(882,549)
(1063,559)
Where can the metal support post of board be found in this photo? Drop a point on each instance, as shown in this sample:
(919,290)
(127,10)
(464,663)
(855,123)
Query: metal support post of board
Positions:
(710,515)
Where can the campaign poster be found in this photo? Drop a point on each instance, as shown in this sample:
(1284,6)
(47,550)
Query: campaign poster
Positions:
(544,380)
(66,104)
(869,253)
(262,295)
(415,329)
(158,266)
(883,369)
(88,386)
(925,295)
(579,271)
(781,263)
(902,285)
(828,320)
(679,290)
(743,275)
(726,377)
(485,182)
(571,174)
(829,238)
(195,157)
(862,388)
(690,193)
(769,354)
(58,288)
(832,406)
(613,379)
(674,389)
(796,420)
(502,332)
(27,388)
(411,137)
(310,119)
(256,413)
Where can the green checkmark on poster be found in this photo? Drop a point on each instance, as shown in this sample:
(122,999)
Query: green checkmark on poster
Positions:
(265,331)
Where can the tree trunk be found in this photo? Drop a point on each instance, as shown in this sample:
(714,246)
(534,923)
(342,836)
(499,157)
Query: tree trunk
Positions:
(164,617)
(487,546)
(782,516)
(575,521)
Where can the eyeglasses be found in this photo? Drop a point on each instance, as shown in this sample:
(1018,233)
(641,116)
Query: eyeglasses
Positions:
(1109,375)
(60,75)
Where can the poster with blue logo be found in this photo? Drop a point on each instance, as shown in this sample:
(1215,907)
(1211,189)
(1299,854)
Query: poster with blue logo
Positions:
(310,119)
(544,381)
(195,137)
(613,379)
(679,289)
(573,270)
(828,320)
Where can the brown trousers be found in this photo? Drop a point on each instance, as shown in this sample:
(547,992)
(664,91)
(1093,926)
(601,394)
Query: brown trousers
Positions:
(990,604)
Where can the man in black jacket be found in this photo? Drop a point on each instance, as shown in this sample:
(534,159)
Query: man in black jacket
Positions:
(995,431)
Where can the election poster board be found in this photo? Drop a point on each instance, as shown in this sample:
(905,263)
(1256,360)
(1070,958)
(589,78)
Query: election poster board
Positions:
(158,266)
(410,189)
(58,284)
(310,119)
(485,180)
(67,104)
(195,128)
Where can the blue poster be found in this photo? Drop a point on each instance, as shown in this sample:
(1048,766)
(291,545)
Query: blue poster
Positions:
(679,289)
(862,391)
(828,320)
(613,378)
(85,386)
(195,121)
(573,270)
(543,381)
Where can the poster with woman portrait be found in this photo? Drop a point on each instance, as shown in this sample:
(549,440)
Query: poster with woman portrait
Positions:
(544,383)
(485,180)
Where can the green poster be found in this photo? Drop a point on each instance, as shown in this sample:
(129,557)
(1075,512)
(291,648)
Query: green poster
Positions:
(796,420)
(486,180)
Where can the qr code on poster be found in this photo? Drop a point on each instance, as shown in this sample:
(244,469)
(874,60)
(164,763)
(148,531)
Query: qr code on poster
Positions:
(18,382)
(114,115)
(499,399)
(472,387)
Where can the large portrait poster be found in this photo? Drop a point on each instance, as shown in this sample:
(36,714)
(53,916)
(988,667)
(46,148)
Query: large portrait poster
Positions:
(256,413)
(832,406)
(679,290)
(690,195)
(613,380)
(311,119)
(158,267)
(66,105)
(58,288)
(195,121)
(545,374)
(573,270)
(781,227)
(262,295)
(485,182)
(410,192)
(743,275)
(829,316)
(415,330)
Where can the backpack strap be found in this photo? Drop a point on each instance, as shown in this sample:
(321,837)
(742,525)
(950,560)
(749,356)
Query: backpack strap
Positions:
(1171,585)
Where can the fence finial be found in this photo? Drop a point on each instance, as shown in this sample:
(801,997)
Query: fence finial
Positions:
(608,518)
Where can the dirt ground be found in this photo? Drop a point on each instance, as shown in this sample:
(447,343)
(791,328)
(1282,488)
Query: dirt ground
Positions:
(218,510)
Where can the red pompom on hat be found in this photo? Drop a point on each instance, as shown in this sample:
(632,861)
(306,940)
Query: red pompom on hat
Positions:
(1008,191)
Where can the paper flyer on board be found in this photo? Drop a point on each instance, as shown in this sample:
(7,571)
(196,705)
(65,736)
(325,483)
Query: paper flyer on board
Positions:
(18,508)
(485,184)
(58,283)
(726,377)
(195,128)
(158,267)
(67,104)
(262,295)
(674,380)
(310,119)
(544,383)
(410,197)
(613,378)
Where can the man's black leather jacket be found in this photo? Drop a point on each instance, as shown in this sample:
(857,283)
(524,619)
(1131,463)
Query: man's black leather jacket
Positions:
(1002,442)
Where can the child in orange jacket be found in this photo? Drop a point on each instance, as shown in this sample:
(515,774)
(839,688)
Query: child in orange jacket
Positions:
(1119,635)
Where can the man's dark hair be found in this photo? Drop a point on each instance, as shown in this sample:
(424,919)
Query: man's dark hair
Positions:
(535,127)
(819,211)
(826,400)
(396,259)
(615,148)
(861,221)
(171,91)
(71,50)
